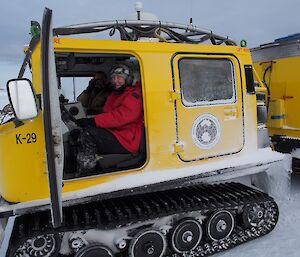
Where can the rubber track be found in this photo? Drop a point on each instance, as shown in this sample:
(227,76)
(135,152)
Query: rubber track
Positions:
(123,211)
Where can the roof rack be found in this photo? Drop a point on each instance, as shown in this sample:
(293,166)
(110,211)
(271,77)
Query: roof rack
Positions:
(133,30)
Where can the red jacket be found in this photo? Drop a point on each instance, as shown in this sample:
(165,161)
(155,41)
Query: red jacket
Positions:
(122,116)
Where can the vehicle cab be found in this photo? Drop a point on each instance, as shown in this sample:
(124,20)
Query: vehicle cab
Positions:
(199,112)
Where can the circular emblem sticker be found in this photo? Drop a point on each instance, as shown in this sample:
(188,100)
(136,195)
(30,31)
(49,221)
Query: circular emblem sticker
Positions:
(206,131)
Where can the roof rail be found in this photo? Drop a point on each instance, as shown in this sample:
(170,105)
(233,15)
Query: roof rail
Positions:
(132,30)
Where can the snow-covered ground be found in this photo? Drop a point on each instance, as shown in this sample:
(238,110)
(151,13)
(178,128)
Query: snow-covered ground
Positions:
(3,99)
(283,240)
(6,112)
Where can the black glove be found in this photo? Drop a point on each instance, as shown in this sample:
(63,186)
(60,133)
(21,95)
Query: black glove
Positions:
(86,122)
(91,85)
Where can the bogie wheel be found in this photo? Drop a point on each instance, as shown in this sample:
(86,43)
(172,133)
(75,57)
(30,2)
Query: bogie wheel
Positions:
(94,251)
(220,225)
(148,243)
(186,235)
(254,215)
(41,246)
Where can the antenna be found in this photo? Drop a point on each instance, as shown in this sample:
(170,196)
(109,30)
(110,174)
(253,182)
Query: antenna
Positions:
(138,8)
(191,23)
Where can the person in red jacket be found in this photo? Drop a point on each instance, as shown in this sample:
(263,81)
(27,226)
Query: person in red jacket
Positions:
(118,129)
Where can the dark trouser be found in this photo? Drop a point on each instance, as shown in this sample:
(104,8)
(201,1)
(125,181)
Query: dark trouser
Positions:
(99,140)
(92,141)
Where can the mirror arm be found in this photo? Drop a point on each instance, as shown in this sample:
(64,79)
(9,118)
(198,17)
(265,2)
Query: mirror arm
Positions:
(39,101)
(18,123)
(33,43)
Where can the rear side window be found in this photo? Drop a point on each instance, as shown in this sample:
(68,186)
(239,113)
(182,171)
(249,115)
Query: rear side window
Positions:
(207,81)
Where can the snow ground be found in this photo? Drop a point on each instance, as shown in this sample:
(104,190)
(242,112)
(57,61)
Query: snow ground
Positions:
(3,99)
(283,240)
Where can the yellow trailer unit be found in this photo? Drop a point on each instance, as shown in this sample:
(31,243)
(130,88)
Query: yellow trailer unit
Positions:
(277,63)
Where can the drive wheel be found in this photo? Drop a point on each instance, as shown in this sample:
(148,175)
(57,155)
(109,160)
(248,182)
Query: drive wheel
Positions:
(94,251)
(186,236)
(148,243)
(220,225)
(42,246)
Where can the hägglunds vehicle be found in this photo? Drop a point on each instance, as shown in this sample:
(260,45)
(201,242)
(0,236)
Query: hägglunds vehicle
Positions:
(168,199)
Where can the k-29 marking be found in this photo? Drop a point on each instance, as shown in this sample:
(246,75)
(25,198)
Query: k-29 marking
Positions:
(29,138)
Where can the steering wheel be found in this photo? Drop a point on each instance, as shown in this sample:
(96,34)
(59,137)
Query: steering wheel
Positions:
(66,115)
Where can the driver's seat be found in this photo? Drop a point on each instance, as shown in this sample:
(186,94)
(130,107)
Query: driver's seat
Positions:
(109,162)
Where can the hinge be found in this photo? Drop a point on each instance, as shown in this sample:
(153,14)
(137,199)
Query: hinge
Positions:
(178,147)
(174,96)
(230,113)
(286,97)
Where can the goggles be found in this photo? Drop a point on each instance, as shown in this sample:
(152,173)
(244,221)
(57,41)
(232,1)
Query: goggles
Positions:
(120,70)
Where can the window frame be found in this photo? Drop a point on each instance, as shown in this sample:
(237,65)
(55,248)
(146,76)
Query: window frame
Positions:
(232,100)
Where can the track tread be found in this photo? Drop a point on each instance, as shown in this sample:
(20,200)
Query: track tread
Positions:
(123,211)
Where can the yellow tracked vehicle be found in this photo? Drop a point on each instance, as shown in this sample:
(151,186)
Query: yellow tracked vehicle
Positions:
(167,199)
(277,63)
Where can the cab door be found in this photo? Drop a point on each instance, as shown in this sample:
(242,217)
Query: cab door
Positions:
(209,106)
(52,119)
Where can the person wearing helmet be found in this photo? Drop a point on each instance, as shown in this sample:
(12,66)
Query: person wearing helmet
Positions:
(118,129)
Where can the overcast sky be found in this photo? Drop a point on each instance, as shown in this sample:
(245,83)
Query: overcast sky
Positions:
(257,21)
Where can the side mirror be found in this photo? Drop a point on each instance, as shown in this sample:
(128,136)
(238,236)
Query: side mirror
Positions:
(22,98)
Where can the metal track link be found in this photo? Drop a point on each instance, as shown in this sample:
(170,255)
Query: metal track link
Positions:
(125,211)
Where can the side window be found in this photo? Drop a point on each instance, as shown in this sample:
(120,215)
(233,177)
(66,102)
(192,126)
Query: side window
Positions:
(207,81)
(71,87)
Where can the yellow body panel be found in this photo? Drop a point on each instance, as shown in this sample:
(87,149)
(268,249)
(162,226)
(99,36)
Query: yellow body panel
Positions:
(276,114)
(23,164)
(283,80)
(23,174)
